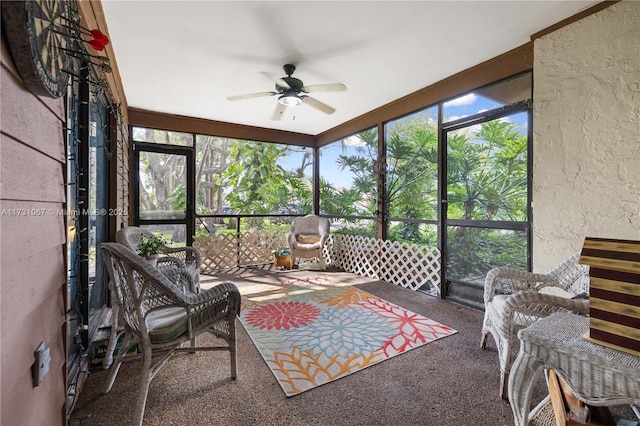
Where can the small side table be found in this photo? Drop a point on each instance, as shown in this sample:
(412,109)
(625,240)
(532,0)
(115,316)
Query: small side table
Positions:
(596,374)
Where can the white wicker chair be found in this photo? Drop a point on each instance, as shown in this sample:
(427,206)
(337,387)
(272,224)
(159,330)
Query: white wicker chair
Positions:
(513,300)
(160,317)
(307,238)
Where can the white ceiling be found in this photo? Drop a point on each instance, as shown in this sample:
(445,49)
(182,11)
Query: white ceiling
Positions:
(187,57)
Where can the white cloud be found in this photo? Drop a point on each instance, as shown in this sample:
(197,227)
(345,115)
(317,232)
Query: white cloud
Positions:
(463,100)
(353,140)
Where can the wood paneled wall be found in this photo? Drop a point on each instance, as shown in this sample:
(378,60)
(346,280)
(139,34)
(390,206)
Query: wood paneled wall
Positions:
(32,251)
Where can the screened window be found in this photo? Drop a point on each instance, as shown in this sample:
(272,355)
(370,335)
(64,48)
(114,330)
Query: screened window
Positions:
(472,251)
(236,176)
(412,176)
(487,221)
(487,170)
(162,186)
(166,137)
(348,183)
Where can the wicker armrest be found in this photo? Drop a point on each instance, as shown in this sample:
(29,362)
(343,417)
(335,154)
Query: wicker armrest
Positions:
(216,294)
(525,307)
(203,309)
(545,304)
(504,280)
(170,261)
(185,252)
(213,304)
(291,238)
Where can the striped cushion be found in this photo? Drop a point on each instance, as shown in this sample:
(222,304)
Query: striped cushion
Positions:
(166,324)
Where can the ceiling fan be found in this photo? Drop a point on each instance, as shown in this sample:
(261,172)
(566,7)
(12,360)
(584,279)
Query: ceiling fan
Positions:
(292,92)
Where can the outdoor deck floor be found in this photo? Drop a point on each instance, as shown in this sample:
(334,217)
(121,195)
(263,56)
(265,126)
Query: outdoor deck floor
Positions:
(451,381)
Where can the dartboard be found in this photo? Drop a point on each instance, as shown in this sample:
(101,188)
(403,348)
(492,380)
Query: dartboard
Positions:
(38,32)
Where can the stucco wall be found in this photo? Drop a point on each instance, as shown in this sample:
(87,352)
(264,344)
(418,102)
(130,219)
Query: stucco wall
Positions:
(586,130)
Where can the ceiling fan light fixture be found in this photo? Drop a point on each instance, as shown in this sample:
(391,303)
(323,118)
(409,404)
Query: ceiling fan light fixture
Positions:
(290,99)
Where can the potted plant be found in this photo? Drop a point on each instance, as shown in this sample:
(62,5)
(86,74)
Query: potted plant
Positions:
(282,257)
(150,248)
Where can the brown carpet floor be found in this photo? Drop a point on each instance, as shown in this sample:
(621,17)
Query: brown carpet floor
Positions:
(447,382)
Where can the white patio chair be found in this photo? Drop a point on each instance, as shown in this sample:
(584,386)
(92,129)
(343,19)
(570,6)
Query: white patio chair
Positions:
(307,238)
(515,299)
(160,317)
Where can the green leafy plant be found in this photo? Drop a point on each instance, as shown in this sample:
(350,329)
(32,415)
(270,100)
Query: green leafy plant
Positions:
(281,252)
(149,246)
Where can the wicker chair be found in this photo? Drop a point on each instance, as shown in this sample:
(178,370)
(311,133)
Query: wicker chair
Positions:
(182,257)
(307,238)
(160,317)
(515,299)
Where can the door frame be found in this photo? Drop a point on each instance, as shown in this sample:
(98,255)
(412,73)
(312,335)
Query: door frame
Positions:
(443,222)
(187,152)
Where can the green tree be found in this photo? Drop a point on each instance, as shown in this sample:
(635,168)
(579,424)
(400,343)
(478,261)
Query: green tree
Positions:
(160,174)
(487,173)
(487,180)
(256,184)
(411,177)
(360,164)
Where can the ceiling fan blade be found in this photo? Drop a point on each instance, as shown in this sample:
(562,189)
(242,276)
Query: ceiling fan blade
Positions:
(279,82)
(278,112)
(318,105)
(331,87)
(250,95)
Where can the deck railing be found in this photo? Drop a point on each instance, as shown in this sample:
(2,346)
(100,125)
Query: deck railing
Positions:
(408,265)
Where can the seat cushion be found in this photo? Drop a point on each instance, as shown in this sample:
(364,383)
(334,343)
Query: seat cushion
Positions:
(307,239)
(166,324)
(300,246)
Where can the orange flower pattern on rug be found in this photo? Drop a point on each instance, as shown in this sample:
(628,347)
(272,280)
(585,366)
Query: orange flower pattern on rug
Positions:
(312,332)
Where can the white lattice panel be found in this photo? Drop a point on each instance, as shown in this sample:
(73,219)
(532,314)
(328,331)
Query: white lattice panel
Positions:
(257,246)
(218,251)
(410,265)
(356,254)
(222,251)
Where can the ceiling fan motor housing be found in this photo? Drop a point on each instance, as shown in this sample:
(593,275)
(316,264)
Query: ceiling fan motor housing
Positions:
(294,84)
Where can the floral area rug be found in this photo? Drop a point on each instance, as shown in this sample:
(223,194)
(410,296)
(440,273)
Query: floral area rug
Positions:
(313,331)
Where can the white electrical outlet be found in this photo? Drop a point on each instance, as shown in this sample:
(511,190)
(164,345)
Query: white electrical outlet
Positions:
(41,366)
